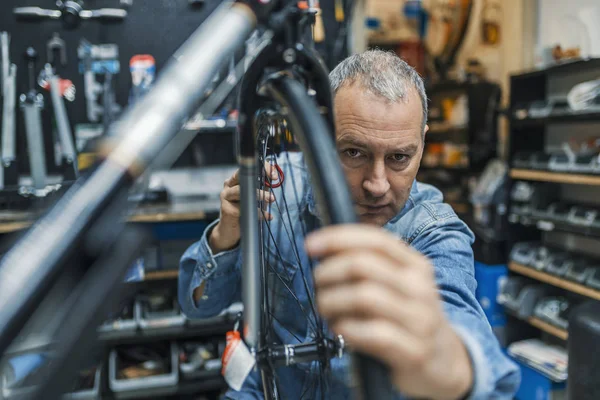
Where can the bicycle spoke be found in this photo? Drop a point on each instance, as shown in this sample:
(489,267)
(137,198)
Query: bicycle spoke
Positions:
(283,280)
(284,327)
(316,321)
(311,385)
(273,241)
(309,292)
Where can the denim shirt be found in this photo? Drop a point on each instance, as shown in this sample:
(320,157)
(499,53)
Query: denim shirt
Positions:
(425,223)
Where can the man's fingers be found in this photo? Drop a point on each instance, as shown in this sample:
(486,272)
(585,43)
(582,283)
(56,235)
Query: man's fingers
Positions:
(370,300)
(334,239)
(232,194)
(234,180)
(359,266)
(265,195)
(264,215)
(230,210)
(271,171)
(382,340)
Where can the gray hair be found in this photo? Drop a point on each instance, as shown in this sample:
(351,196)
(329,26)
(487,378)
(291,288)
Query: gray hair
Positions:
(382,73)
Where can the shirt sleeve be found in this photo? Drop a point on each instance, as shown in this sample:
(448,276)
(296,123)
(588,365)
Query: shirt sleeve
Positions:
(220,273)
(448,246)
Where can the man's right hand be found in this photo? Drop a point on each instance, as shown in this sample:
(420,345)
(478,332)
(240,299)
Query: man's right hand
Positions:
(226,234)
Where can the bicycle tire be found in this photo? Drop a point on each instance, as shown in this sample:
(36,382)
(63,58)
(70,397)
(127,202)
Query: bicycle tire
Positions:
(331,191)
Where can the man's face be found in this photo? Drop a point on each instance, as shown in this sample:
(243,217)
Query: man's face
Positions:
(380,145)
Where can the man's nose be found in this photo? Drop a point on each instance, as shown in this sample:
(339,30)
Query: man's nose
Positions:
(376,182)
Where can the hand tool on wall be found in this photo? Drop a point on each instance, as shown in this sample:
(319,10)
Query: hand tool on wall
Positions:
(69,156)
(8,169)
(4,54)
(97,59)
(143,70)
(56,44)
(71,12)
(32,104)
(109,104)
(92,88)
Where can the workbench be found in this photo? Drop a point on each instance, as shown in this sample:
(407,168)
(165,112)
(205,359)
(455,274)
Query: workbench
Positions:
(178,210)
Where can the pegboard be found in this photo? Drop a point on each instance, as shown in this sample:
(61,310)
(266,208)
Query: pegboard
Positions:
(156,27)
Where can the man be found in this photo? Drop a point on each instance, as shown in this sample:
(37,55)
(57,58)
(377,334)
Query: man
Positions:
(409,303)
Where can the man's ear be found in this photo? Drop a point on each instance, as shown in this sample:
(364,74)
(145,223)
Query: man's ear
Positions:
(425,130)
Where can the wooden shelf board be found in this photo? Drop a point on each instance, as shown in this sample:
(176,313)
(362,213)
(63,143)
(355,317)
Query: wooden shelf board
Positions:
(166,217)
(555,281)
(7,227)
(544,176)
(461,208)
(546,327)
(147,217)
(155,275)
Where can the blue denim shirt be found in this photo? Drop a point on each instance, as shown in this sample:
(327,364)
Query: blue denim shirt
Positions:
(426,223)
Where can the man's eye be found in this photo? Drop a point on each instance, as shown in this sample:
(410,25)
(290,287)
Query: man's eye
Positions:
(352,153)
(399,158)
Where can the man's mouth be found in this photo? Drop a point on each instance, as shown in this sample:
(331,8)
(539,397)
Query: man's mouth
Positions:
(373,209)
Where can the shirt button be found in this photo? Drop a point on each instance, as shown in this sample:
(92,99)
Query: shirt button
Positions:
(209,265)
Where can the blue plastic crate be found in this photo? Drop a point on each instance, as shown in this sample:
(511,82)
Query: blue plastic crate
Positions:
(489,279)
(535,386)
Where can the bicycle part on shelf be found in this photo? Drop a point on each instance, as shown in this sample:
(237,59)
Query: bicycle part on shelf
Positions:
(63,127)
(8,168)
(580,271)
(71,12)
(56,44)
(554,310)
(32,104)
(523,253)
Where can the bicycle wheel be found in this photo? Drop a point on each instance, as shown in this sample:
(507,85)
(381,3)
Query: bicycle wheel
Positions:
(292,336)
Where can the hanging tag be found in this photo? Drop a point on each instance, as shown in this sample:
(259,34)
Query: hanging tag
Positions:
(237,361)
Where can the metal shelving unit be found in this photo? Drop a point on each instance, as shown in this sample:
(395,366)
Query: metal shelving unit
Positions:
(532,131)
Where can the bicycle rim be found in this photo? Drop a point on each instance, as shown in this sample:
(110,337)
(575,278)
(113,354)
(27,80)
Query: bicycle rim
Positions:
(285,269)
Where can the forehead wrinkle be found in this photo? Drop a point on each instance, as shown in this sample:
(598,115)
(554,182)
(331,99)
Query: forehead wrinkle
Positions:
(379,120)
(379,142)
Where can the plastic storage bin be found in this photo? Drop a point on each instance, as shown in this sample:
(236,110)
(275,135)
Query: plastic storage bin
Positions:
(92,392)
(200,360)
(153,316)
(123,321)
(19,375)
(19,378)
(164,384)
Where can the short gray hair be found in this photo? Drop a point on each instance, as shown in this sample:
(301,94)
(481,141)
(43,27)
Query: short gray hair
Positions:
(382,73)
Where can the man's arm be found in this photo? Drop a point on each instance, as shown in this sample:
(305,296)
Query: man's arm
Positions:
(208,283)
(381,295)
(209,271)
(448,247)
